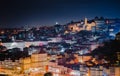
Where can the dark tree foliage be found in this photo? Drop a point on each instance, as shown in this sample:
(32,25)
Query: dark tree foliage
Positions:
(108,51)
(48,74)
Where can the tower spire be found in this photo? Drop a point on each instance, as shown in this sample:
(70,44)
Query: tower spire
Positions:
(85,21)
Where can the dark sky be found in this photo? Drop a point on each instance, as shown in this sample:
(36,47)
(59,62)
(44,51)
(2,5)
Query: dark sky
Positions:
(47,12)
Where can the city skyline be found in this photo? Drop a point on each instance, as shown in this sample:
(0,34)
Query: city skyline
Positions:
(89,47)
(48,12)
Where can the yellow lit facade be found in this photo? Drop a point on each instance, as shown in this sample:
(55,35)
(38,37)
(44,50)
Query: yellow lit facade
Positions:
(74,27)
(88,26)
(35,62)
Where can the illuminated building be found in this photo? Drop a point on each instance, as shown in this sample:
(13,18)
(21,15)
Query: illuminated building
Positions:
(35,63)
(83,58)
(74,27)
(112,71)
(88,26)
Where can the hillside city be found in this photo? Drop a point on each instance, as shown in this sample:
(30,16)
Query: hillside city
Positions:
(78,48)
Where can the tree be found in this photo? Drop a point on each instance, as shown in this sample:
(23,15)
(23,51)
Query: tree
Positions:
(101,18)
(109,51)
(48,74)
(96,18)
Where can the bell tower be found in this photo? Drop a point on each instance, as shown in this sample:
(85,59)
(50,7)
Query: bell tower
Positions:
(85,24)
(85,21)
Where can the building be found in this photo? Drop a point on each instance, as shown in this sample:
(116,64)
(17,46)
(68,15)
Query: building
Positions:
(74,26)
(88,26)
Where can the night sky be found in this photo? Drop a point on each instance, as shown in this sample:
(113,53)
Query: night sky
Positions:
(46,12)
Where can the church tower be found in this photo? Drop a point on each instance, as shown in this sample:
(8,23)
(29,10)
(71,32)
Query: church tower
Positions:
(85,21)
(85,24)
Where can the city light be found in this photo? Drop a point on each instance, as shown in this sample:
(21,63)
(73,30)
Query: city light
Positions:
(60,38)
